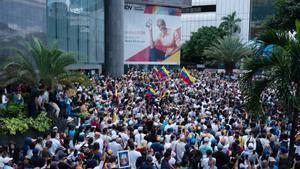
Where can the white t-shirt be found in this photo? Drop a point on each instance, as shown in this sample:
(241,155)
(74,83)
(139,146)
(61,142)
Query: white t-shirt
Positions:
(55,145)
(133,156)
(204,162)
(46,96)
(297,150)
(4,99)
(115,147)
(138,138)
(124,137)
(167,138)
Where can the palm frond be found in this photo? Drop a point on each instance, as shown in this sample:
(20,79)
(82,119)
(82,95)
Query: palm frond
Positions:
(42,64)
(275,73)
(270,36)
(252,95)
(228,49)
(230,23)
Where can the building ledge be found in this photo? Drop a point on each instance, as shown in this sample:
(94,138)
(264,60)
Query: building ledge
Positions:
(171,3)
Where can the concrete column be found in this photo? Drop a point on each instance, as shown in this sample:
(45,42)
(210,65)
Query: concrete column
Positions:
(114,37)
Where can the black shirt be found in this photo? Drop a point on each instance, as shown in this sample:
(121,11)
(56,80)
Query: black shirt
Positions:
(221,158)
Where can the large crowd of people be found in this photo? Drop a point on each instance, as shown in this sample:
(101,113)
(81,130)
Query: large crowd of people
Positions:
(115,123)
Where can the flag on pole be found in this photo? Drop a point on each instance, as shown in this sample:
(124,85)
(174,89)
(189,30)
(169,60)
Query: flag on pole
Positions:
(164,72)
(151,92)
(186,77)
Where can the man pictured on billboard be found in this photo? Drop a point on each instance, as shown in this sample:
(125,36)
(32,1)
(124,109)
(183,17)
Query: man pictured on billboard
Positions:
(166,44)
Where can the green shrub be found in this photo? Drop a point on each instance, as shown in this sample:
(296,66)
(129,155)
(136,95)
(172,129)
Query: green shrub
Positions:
(42,122)
(20,124)
(12,110)
(15,124)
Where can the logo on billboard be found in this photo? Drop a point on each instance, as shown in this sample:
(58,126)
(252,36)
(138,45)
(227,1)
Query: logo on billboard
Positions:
(128,7)
(134,7)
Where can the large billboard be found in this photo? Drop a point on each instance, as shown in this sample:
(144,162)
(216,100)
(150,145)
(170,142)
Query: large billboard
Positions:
(152,34)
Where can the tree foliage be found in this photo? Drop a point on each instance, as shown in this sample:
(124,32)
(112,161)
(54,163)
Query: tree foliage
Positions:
(280,72)
(228,50)
(39,64)
(276,37)
(230,24)
(286,13)
(192,50)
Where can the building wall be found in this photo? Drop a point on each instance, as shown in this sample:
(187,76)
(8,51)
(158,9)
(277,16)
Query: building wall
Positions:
(204,2)
(191,22)
(242,9)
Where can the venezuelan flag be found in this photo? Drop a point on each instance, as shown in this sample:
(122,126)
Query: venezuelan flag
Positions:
(151,92)
(164,72)
(186,77)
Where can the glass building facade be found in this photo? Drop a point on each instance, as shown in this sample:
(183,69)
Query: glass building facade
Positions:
(19,21)
(260,9)
(77,26)
(73,25)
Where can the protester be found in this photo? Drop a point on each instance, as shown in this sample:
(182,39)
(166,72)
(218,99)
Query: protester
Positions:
(163,122)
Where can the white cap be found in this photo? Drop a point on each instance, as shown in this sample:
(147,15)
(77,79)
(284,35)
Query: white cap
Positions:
(6,160)
(272,159)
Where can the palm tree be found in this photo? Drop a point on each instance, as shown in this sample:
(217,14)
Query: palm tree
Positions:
(230,24)
(39,64)
(280,72)
(228,51)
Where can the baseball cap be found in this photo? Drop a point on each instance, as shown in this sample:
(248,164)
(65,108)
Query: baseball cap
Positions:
(206,139)
(272,159)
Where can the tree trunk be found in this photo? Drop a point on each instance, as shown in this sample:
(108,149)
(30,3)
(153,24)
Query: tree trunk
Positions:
(228,68)
(293,130)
